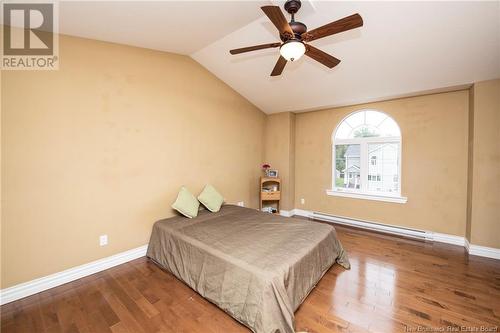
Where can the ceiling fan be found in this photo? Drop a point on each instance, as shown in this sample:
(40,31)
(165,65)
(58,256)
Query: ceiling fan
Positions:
(294,36)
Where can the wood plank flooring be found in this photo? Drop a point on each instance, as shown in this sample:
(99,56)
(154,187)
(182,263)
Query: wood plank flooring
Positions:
(394,285)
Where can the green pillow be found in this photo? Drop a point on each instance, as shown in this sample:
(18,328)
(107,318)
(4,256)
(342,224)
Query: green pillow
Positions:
(186,203)
(211,199)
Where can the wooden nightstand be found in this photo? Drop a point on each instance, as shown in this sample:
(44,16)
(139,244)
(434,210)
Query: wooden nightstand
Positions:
(272,196)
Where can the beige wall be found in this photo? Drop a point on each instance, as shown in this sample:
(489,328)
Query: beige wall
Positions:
(434,163)
(485,200)
(102,146)
(279,153)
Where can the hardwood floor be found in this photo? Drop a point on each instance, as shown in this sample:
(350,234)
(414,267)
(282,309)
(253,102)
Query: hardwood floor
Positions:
(394,285)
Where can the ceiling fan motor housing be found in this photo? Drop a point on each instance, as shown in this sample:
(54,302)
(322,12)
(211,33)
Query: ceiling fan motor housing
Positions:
(298,28)
(292,6)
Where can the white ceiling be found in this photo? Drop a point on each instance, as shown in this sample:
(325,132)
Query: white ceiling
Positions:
(173,26)
(403,48)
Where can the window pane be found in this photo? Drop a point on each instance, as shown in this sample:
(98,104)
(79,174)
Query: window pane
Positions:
(383,176)
(366,124)
(375,118)
(347,166)
(365,131)
(356,119)
(343,131)
(389,128)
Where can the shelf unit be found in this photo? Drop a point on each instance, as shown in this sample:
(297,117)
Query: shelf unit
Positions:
(272,197)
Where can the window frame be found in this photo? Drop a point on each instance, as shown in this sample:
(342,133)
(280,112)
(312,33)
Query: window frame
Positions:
(364,162)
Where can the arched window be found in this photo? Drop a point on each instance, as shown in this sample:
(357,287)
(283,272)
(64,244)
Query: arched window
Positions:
(367,157)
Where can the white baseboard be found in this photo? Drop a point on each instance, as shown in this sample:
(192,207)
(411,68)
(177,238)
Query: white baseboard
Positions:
(32,287)
(301,212)
(448,239)
(467,245)
(286,213)
(484,251)
(472,249)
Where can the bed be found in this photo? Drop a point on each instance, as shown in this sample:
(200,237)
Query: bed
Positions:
(255,266)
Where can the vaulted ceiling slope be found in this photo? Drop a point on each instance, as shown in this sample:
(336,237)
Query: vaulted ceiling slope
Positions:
(173,26)
(404,48)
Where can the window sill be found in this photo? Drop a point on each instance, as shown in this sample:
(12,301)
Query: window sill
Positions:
(367,196)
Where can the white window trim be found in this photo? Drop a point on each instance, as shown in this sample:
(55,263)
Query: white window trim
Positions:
(337,192)
(362,193)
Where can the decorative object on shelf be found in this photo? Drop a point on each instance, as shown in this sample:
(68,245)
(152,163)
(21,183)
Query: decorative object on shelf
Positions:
(270,194)
(271,210)
(272,173)
(272,188)
(266,168)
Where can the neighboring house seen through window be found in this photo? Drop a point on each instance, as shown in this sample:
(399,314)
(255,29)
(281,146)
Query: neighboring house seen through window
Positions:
(367,157)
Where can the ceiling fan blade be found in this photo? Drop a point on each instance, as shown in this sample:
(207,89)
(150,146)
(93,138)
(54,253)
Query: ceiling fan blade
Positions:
(276,16)
(322,57)
(278,68)
(254,48)
(344,24)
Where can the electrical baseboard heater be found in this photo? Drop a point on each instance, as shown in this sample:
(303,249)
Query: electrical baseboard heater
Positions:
(384,228)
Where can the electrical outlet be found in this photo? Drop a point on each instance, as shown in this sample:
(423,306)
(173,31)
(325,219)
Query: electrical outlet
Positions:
(302,201)
(103,240)
(241,203)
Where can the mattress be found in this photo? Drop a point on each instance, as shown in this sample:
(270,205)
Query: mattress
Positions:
(255,266)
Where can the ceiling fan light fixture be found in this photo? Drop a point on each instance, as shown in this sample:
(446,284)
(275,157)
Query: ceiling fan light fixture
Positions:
(292,49)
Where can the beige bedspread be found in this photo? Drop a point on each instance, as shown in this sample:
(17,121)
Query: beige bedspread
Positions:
(256,266)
